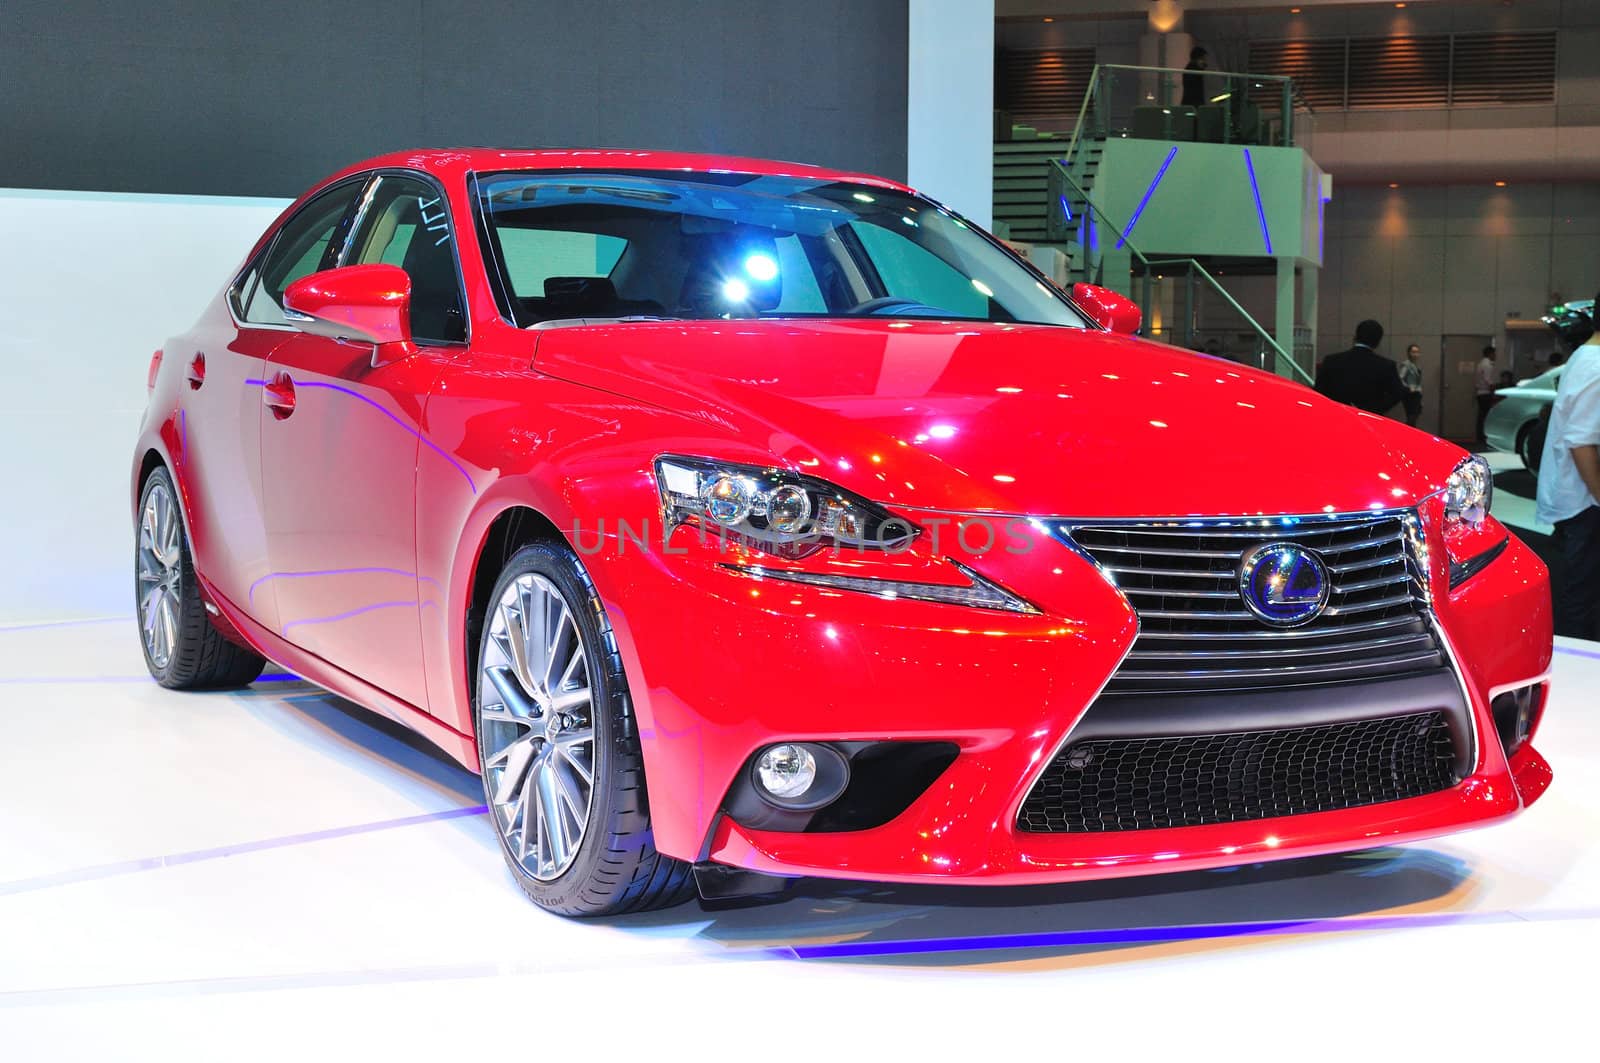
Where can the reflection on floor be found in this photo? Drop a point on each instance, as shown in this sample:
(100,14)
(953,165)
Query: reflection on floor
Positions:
(235,876)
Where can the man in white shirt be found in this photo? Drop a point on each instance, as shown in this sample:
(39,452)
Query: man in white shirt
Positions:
(1486,386)
(1569,492)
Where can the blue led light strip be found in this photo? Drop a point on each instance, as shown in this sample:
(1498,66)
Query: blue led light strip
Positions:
(1255,189)
(424,440)
(1122,238)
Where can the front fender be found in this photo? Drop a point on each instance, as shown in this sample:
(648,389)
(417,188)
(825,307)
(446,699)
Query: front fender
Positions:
(579,458)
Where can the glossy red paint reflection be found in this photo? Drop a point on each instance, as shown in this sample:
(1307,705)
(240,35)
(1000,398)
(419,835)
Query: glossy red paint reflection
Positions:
(1109,309)
(367,304)
(338,506)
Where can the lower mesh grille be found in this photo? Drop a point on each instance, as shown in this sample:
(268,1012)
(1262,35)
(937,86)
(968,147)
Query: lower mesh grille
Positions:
(1118,784)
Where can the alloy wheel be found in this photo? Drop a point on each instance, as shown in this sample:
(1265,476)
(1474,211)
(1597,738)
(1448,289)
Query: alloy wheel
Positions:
(536,726)
(160,564)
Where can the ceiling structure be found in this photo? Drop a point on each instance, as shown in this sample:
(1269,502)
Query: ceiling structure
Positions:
(1135,8)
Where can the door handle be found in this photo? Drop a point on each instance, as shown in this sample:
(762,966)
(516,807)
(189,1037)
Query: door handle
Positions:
(278,394)
(197,372)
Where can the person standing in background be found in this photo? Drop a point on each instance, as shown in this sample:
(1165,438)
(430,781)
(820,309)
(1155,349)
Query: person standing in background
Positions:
(1194,82)
(1361,376)
(1411,380)
(1569,493)
(1486,385)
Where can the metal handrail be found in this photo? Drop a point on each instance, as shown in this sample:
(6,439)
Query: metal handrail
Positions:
(1205,275)
(1148,264)
(1122,237)
(1181,70)
(1083,109)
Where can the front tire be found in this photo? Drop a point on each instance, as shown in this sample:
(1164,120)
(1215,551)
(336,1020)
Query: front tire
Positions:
(563,775)
(182,649)
(1530,445)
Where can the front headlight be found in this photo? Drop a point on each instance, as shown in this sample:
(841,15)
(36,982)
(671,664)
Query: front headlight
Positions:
(779,512)
(1468,492)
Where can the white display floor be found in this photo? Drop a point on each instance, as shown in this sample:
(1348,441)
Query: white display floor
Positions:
(231,876)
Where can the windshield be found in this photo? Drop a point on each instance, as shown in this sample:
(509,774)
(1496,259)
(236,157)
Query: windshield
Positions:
(715,245)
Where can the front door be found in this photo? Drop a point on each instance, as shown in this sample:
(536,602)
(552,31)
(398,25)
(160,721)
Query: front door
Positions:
(339,446)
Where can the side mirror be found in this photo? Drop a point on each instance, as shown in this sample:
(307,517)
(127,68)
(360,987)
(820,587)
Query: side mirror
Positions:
(363,304)
(1108,309)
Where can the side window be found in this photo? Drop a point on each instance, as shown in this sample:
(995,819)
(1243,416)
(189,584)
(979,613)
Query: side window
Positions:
(533,256)
(801,294)
(911,271)
(406,224)
(301,247)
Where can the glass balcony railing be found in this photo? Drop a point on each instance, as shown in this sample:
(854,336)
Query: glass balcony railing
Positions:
(1222,107)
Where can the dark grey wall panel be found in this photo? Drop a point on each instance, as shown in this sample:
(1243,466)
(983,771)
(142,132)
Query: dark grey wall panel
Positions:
(263,98)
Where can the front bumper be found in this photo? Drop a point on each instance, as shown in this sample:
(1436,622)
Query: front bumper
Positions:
(721,664)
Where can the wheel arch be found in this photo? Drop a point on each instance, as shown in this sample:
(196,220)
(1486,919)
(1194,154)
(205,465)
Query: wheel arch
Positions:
(151,461)
(516,525)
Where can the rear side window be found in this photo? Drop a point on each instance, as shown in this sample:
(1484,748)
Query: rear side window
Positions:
(308,242)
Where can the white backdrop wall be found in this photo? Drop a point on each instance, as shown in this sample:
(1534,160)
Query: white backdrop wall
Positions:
(90,285)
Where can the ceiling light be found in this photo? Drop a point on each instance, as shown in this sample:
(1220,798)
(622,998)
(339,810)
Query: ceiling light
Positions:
(1499,184)
(1394,184)
(1048,19)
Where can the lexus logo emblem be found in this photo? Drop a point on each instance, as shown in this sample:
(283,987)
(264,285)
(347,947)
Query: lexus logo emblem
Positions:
(1284,584)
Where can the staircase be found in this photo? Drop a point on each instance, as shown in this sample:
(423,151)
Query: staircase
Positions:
(1022,185)
(1022,188)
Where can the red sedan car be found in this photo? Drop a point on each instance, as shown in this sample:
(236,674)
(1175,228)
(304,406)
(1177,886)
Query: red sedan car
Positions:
(743,520)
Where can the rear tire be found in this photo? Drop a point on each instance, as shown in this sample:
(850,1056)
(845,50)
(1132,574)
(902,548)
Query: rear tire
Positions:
(182,649)
(556,734)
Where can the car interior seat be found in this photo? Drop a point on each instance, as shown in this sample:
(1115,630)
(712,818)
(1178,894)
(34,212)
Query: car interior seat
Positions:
(732,272)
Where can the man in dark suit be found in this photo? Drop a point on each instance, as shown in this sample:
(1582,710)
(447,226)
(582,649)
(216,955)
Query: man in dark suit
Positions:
(1361,376)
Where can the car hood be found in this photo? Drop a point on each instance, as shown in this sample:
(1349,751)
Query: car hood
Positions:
(1020,419)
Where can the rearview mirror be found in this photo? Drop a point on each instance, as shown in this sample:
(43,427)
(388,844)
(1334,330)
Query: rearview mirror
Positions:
(363,304)
(1108,309)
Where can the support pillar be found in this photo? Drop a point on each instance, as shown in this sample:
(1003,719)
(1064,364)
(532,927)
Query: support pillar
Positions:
(1283,320)
(950,104)
(1309,278)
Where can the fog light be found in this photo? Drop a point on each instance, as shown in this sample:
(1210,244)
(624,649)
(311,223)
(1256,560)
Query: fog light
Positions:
(799,776)
(786,771)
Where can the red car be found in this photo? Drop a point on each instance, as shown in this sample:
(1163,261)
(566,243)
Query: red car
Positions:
(743,520)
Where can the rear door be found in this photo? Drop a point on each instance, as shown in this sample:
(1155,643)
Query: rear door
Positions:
(339,457)
(221,422)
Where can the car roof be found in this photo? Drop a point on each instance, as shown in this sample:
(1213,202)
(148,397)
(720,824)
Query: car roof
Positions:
(453,162)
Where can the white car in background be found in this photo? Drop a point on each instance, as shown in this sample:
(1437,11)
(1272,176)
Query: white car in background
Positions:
(1517,422)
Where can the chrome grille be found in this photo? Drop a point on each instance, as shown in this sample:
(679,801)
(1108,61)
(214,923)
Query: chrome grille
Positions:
(1195,632)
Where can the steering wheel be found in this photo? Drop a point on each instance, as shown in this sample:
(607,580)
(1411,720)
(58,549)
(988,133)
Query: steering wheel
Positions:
(882,303)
